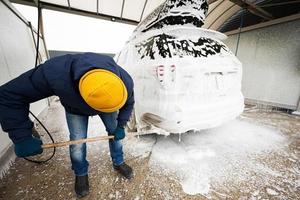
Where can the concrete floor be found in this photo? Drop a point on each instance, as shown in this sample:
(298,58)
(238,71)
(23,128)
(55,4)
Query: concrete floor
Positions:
(54,180)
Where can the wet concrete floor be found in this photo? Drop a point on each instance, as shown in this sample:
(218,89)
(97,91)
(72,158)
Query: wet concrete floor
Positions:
(55,179)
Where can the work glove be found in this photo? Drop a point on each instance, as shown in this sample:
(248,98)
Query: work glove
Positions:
(119,133)
(29,146)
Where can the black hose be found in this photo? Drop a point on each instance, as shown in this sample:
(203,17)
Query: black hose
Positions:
(54,149)
(240,30)
(38,34)
(36,64)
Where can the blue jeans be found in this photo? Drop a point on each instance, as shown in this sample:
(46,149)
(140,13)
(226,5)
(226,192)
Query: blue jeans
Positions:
(78,125)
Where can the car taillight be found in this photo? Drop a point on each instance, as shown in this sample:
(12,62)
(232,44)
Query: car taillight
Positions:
(173,73)
(161,70)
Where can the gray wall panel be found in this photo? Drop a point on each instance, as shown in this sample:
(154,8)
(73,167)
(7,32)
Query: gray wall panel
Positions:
(271,63)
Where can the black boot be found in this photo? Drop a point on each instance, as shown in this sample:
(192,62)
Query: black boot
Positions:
(82,186)
(125,170)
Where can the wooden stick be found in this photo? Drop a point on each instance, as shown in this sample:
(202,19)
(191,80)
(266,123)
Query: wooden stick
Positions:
(80,141)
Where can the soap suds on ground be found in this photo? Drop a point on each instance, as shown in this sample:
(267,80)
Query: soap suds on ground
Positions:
(231,153)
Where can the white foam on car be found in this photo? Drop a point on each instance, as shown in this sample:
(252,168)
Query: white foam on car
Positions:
(182,73)
(227,153)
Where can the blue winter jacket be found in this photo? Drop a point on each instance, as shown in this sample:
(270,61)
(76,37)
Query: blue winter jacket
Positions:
(58,76)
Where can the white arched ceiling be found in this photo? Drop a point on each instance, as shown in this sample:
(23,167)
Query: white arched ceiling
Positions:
(90,5)
(132,11)
(219,12)
(108,7)
(224,16)
(213,5)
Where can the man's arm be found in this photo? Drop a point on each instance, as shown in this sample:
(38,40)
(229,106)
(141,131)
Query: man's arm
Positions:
(125,111)
(15,97)
(123,117)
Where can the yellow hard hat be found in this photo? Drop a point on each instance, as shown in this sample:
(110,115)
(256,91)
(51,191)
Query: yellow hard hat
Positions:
(103,90)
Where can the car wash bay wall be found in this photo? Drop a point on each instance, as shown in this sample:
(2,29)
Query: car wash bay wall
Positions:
(271,64)
(17,55)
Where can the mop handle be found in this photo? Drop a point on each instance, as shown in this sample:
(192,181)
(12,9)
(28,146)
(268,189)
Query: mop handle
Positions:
(80,141)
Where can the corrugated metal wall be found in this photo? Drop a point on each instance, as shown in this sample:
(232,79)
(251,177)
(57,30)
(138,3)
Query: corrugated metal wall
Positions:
(271,64)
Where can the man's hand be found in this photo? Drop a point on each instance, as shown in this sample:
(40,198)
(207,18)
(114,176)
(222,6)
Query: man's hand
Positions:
(119,133)
(30,146)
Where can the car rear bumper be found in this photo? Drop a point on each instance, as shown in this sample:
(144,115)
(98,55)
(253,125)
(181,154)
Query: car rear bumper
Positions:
(202,117)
